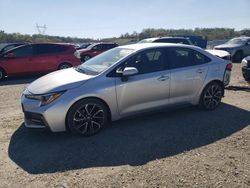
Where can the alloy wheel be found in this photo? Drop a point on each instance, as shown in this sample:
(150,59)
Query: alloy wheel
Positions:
(212,96)
(88,119)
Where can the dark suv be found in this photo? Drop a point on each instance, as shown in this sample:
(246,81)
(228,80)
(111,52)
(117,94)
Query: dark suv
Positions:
(95,49)
(37,58)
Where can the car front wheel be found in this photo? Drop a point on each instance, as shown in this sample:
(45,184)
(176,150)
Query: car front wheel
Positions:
(211,96)
(85,58)
(87,117)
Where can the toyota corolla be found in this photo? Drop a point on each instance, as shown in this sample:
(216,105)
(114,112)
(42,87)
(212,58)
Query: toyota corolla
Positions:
(122,82)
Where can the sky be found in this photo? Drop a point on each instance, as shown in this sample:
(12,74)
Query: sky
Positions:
(111,18)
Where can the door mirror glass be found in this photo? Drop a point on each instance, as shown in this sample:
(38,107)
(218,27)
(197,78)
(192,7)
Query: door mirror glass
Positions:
(129,71)
(9,55)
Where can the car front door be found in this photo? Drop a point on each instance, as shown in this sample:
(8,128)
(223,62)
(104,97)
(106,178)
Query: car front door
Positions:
(16,60)
(188,72)
(149,88)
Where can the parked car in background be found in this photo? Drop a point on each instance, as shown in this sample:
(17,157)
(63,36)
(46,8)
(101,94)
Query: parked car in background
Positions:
(238,48)
(95,49)
(83,45)
(122,82)
(176,40)
(7,46)
(245,64)
(37,58)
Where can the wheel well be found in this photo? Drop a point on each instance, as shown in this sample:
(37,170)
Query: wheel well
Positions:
(3,71)
(96,98)
(217,81)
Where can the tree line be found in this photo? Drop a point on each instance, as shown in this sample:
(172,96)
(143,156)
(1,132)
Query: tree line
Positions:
(208,33)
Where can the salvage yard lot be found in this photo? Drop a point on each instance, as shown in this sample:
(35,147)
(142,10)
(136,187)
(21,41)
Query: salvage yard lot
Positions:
(174,148)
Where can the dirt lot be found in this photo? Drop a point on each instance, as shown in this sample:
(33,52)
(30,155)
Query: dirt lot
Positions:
(178,148)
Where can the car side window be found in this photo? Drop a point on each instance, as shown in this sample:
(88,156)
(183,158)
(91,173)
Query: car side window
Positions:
(23,51)
(184,57)
(45,49)
(200,58)
(147,61)
(98,47)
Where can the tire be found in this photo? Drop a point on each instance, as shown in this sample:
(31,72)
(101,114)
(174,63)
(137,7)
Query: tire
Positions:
(2,74)
(238,56)
(64,66)
(211,96)
(85,58)
(87,117)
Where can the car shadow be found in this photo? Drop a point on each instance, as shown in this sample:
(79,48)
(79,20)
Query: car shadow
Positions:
(18,80)
(134,141)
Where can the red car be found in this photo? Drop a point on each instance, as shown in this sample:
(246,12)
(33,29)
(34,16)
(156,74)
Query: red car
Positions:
(95,49)
(38,58)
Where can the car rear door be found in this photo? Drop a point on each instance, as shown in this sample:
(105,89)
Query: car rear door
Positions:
(149,88)
(188,72)
(45,58)
(18,63)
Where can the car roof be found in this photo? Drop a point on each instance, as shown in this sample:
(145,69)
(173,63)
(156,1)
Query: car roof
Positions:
(140,46)
(243,37)
(172,38)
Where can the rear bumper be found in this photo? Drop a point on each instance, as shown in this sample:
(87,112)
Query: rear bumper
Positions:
(246,73)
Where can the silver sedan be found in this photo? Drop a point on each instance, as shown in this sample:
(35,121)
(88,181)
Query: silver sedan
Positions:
(122,82)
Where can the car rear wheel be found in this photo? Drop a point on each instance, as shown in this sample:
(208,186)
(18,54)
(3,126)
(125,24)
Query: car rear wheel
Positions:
(64,66)
(2,74)
(87,117)
(211,96)
(238,56)
(85,58)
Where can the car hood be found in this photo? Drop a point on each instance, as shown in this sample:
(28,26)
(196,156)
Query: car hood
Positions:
(228,46)
(58,81)
(219,53)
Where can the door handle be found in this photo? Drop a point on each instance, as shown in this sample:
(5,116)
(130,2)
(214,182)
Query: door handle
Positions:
(199,71)
(163,78)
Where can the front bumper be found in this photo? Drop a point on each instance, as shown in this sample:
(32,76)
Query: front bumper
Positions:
(246,73)
(51,116)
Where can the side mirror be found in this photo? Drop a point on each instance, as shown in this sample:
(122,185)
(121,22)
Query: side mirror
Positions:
(129,71)
(9,55)
(248,43)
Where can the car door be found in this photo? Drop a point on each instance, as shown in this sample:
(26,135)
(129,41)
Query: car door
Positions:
(16,60)
(149,88)
(98,49)
(45,58)
(188,72)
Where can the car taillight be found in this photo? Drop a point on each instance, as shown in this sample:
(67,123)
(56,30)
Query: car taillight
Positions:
(229,66)
(77,54)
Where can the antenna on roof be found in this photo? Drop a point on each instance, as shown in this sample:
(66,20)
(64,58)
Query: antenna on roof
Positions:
(41,29)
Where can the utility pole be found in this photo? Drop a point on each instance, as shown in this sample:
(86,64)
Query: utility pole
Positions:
(41,29)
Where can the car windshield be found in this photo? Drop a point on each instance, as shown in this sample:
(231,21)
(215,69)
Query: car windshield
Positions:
(91,46)
(237,41)
(103,61)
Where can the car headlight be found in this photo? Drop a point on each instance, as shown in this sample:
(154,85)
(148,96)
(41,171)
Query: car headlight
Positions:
(244,63)
(45,98)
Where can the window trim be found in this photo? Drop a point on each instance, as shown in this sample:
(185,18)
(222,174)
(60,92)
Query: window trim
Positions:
(193,56)
(166,66)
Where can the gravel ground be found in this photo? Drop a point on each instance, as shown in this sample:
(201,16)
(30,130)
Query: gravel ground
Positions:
(178,148)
